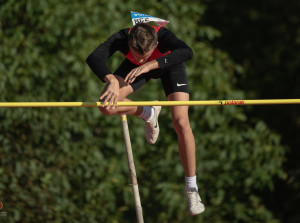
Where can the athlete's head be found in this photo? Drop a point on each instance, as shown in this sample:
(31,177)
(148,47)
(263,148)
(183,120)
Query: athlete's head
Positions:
(142,38)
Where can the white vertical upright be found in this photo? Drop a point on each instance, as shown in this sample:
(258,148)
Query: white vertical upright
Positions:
(132,172)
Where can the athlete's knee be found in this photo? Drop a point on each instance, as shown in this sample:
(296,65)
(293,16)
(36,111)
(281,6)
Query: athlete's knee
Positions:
(105,111)
(181,125)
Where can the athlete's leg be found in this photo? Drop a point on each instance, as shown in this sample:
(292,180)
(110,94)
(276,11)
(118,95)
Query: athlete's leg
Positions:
(185,137)
(175,84)
(186,146)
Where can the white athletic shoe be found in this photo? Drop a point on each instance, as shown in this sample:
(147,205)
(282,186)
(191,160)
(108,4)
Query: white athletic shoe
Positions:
(194,202)
(152,127)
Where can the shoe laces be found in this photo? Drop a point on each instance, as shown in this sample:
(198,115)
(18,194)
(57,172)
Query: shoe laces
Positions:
(193,198)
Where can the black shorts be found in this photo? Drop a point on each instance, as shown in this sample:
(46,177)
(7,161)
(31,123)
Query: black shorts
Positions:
(174,78)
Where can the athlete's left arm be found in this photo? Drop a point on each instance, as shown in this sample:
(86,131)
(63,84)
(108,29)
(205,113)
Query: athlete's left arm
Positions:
(144,68)
(180,51)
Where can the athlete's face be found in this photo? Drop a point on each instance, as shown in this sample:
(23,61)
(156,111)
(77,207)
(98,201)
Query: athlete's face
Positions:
(142,58)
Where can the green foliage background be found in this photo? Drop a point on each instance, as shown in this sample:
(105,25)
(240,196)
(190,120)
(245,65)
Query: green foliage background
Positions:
(69,164)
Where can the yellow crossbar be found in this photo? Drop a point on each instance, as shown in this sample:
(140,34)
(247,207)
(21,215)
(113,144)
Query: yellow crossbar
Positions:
(153,103)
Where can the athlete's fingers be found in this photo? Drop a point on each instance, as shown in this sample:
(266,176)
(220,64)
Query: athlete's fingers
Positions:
(107,95)
(130,75)
(109,103)
(114,105)
(134,73)
(105,101)
(103,95)
(133,76)
(115,101)
(140,70)
(106,92)
(127,76)
(112,98)
(131,79)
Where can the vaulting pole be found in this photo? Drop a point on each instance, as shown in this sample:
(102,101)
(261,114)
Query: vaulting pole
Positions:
(132,172)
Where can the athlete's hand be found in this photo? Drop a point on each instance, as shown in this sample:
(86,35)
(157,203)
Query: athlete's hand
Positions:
(134,73)
(110,93)
(145,68)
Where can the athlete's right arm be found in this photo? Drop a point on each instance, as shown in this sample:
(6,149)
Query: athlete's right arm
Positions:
(97,59)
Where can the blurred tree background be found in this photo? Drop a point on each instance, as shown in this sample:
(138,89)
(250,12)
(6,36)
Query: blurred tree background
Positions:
(69,164)
(264,36)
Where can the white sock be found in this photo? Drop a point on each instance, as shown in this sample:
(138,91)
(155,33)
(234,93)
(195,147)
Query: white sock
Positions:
(147,113)
(190,182)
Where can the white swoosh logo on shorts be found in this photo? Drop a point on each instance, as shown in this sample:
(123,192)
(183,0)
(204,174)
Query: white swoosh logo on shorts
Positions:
(178,85)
